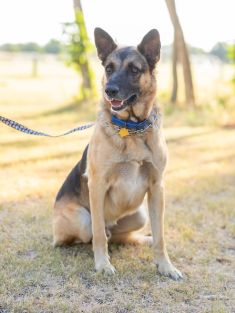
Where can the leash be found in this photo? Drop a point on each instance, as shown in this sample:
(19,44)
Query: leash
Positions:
(29,131)
(124,128)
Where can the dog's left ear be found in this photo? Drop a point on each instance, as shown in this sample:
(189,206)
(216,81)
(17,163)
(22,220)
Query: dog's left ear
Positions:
(104,43)
(150,47)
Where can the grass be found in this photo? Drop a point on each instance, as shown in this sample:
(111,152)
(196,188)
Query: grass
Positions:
(200,201)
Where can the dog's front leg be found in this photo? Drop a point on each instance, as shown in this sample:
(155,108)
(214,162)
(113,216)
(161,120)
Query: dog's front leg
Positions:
(100,243)
(156,205)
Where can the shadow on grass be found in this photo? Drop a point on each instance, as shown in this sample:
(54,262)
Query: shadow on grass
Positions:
(184,137)
(230,157)
(72,107)
(42,158)
(19,144)
(76,249)
(84,110)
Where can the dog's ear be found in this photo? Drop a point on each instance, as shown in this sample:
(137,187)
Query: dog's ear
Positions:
(104,43)
(150,47)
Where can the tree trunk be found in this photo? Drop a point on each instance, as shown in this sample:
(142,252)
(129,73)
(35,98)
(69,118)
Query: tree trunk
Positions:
(87,84)
(182,52)
(77,5)
(174,69)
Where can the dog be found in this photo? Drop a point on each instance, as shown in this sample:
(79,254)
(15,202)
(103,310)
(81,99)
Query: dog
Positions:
(102,198)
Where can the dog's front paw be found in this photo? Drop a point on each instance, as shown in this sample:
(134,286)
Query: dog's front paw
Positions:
(105,268)
(167,269)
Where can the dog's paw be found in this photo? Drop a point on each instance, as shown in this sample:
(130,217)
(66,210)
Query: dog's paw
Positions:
(168,270)
(148,240)
(106,268)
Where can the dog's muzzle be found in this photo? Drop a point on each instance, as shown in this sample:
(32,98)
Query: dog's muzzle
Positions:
(118,105)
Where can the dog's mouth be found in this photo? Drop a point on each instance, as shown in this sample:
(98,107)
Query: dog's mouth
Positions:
(118,105)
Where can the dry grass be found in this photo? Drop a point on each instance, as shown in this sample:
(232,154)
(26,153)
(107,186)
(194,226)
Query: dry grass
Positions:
(200,231)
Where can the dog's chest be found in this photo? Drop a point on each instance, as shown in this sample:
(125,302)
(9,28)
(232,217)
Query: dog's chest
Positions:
(128,185)
(130,177)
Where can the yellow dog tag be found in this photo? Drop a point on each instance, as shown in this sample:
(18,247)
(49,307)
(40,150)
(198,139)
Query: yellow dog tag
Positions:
(123,132)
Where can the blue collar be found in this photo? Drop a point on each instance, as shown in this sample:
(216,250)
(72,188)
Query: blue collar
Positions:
(132,125)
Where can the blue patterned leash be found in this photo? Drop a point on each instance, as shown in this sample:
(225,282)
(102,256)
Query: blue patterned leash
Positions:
(29,131)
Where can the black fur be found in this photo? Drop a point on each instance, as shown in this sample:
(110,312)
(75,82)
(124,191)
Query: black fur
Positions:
(75,181)
(104,43)
(150,48)
(125,79)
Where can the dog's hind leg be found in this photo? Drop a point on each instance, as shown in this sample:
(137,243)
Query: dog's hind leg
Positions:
(71,223)
(127,229)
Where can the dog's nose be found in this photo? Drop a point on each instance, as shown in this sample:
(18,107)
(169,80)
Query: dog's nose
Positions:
(112,91)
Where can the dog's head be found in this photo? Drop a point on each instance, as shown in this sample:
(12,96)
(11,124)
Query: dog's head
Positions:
(129,83)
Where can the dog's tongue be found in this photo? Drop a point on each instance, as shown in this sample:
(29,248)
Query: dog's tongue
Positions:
(116,103)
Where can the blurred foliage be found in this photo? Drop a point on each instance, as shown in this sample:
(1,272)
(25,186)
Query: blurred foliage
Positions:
(220,50)
(166,51)
(21,47)
(79,50)
(231,52)
(53,46)
(231,57)
(78,44)
(223,51)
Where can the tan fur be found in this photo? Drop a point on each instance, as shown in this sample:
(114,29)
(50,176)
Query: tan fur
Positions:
(120,172)
(71,222)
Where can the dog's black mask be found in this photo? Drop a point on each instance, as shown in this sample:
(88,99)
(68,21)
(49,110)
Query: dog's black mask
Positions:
(124,67)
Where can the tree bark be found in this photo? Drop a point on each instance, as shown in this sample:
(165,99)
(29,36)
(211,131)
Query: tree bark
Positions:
(174,69)
(77,5)
(182,53)
(85,71)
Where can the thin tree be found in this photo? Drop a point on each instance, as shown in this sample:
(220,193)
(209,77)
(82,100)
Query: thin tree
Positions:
(180,53)
(79,48)
(175,59)
(84,43)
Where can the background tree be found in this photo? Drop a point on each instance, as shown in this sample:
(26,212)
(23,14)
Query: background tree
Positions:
(231,58)
(220,50)
(79,48)
(180,54)
(53,47)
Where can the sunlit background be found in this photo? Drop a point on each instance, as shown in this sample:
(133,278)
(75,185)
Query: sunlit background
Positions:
(42,86)
(207,28)
(204,22)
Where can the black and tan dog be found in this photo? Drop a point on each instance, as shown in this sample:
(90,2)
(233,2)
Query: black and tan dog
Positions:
(103,195)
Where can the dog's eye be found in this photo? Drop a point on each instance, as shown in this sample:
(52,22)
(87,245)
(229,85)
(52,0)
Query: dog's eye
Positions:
(109,69)
(135,70)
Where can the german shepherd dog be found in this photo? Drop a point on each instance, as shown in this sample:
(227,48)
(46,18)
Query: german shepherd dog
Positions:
(102,198)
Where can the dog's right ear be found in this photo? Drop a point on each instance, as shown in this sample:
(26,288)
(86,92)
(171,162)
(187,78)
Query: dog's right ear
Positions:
(104,43)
